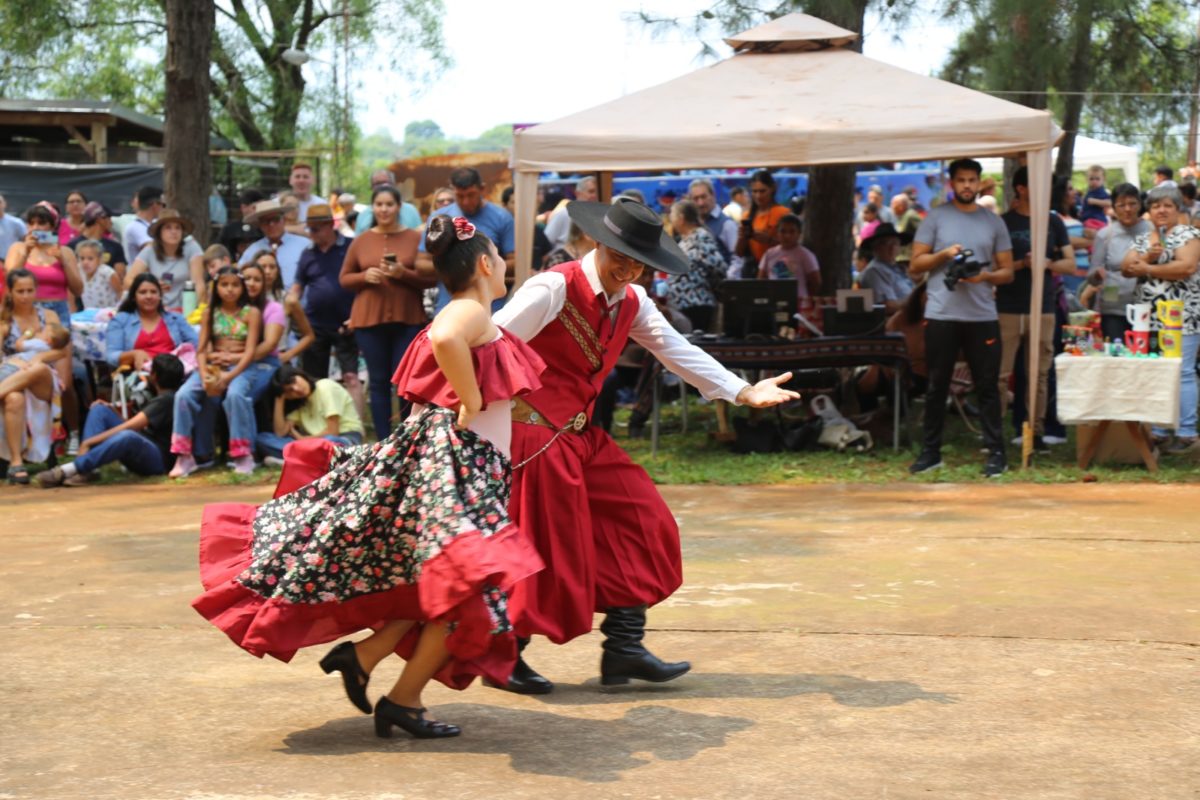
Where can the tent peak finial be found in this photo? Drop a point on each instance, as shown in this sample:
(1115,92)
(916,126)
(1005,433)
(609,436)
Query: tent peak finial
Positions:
(792,32)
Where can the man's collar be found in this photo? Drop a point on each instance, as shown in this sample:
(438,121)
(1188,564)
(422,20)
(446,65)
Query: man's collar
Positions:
(588,263)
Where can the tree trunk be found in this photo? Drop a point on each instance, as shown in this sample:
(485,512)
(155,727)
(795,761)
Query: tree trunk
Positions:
(1077,84)
(829,208)
(187,174)
(828,223)
(1194,117)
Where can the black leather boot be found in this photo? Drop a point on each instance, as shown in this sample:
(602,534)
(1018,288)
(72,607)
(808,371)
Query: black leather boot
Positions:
(524,679)
(625,657)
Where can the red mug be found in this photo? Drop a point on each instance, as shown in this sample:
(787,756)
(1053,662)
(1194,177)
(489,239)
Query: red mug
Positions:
(1138,342)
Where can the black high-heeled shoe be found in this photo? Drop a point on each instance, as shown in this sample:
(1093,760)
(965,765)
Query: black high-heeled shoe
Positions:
(411,720)
(354,679)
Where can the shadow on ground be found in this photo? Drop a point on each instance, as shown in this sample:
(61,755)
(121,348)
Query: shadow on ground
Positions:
(844,690)
(591,750)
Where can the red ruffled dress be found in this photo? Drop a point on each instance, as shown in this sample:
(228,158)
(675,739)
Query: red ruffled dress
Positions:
(413,527)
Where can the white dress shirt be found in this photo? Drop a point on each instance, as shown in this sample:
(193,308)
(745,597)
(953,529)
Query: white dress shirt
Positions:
(541,298)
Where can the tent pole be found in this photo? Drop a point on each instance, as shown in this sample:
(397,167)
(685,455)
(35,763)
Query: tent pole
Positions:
(605,185)
(525,190)
(1038,163)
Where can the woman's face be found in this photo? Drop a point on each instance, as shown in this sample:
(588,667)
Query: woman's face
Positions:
(442,199)
(229,289)
(24,292)
(75,204)
(171,233)
(499,268)
(1164,214)
(385,208)
(298,389)
(148,297)
(270,270)
(1127,209)
(764,196)
(254,278)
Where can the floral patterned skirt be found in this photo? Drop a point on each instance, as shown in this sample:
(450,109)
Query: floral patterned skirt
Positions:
(414,527)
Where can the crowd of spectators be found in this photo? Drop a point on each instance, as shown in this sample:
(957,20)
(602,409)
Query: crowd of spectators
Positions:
(292,323)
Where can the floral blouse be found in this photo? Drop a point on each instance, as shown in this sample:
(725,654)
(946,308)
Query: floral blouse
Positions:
(1151,290)
(698,286)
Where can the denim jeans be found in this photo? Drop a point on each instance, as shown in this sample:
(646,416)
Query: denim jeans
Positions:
(271,444)
(1189,393)
(259,376)
(192,403)
(60,307)
(135,451)
(382,347)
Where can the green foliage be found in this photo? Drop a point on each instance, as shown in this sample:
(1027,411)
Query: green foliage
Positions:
(1142,61)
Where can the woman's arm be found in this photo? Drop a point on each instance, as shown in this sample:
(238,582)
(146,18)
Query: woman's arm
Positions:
(279,421)
(136,268)
(197,275)
(300,321)
(17,255)
(1179,268)
(352,277)
(452,332)
(71,269)
(272,333)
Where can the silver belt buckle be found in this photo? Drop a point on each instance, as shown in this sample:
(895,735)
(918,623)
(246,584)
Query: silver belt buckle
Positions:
(579,422)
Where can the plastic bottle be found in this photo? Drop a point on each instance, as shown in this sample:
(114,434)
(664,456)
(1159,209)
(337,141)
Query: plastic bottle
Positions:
(189,298)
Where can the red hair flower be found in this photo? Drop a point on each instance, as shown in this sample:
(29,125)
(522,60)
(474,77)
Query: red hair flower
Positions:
(463,228)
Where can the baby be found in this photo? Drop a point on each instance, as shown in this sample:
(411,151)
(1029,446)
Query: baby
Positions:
(51,337)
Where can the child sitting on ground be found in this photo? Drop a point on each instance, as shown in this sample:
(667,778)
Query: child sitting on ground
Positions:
(101,284)
(52,336)
(142,444)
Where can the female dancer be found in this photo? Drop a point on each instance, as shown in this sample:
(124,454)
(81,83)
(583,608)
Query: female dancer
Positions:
(409,536)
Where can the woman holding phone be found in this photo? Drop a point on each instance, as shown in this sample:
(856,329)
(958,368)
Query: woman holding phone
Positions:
(387,310)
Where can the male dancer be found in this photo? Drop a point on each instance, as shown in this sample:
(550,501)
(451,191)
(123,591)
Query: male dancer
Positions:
(609,541)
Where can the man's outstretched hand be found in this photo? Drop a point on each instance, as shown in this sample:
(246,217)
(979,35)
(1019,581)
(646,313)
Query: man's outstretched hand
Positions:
(767,392)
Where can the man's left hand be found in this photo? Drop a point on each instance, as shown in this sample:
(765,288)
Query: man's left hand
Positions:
(767,392)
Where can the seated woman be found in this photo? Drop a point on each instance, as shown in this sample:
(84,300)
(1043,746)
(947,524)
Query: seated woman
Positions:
(30,396)
(173,257)
(142,328)
(278,305)
(231,325)
(141,444)
(306,408)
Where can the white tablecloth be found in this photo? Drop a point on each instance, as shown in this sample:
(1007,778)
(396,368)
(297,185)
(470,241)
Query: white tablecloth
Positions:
(1096,388)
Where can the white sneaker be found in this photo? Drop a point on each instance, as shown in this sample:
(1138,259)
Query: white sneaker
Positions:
(73,444)
(1048,439)
(1017,440)
(272,461)
(243,465)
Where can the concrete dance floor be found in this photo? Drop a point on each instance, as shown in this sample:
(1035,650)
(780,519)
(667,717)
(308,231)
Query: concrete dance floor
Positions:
(915,641)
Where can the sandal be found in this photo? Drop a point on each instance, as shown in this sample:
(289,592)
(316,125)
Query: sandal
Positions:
(18,474)
(410,719)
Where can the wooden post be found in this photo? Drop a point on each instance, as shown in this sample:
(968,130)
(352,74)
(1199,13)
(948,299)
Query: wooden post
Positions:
(604,184)
(99,143)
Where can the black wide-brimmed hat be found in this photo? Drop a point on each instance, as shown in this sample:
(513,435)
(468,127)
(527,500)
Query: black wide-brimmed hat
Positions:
(632,229)
(888,229)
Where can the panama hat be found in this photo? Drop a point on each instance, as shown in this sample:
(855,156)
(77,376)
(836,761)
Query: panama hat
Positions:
(632,229)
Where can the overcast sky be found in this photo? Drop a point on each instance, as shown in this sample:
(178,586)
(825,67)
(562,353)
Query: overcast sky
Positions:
(554,58)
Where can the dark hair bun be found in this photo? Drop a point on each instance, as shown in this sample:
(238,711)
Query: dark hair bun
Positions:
(440,235)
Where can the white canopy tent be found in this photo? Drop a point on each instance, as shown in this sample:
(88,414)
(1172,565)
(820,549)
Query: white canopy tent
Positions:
(790,95)
(1087,152)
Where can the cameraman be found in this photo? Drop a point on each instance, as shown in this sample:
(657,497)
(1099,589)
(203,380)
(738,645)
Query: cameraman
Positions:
(964,317)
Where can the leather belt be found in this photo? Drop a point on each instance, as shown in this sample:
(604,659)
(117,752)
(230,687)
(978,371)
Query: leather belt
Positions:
(523,412)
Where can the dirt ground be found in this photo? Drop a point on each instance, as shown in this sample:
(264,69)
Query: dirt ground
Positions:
(909,641)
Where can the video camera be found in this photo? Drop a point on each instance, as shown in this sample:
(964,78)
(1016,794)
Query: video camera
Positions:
(962,266)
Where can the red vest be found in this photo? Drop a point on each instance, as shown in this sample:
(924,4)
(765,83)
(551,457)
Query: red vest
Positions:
(578,358)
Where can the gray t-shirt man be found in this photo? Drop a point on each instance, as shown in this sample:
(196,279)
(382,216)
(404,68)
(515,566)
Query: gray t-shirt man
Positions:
(979,230)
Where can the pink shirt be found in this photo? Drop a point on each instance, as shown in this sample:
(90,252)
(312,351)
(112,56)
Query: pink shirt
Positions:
(274,314)
(51,280)
(798,261)
(65,232)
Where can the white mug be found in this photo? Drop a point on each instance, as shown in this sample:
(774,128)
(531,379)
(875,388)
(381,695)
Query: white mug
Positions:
(1138,315)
